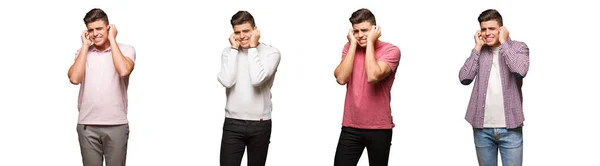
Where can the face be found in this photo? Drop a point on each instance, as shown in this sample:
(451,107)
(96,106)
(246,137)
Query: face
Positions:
(490,31)
(98,32)
(242,33)
(360,32)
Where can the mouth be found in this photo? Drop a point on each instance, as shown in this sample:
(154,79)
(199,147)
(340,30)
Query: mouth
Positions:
(97,39)
(244,42)
(362,41)
(489,39)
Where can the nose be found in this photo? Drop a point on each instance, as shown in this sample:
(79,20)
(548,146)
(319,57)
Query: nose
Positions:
(487,33)
(361,34)
(96,32)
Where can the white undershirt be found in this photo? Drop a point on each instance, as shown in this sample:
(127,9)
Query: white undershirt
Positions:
(494,101)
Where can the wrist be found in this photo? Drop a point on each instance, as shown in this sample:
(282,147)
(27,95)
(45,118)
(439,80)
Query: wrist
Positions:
(85,47)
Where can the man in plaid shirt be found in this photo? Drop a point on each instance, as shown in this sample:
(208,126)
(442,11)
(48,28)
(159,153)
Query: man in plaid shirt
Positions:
(496,106)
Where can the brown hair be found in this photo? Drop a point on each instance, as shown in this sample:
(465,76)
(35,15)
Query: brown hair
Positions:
(95,15)
(490,14)
(242,17)
(362,15)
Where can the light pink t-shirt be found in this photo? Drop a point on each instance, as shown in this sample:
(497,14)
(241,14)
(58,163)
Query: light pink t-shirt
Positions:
(103,93)
(367,106)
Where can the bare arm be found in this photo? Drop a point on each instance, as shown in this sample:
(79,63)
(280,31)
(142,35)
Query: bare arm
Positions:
(123,64)
(376,70)
(344,70)
(77,70)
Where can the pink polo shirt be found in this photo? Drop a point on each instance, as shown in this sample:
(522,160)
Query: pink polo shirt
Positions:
(103,93)
(367,106)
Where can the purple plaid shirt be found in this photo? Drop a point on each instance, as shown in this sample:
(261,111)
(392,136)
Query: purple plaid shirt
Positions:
(514,64)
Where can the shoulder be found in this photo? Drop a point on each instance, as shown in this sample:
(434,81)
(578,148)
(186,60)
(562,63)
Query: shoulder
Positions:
(266,48)
(518,43)
(124,46)
(389,47)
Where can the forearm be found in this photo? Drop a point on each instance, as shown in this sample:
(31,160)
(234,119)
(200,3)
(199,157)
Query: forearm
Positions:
(344,69)
(470,68)
(229,68)
(77,70)
(372,68)
(262,67)
(123,65)
(516,56)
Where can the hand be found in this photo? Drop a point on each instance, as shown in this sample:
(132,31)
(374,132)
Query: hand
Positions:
(234,43)
(254,38)
(351,37)
(85,39)
(503,34)
(478,40)
(112,32)
(374,34)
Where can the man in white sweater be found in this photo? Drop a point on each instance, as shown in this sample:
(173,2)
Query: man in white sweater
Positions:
(248,69)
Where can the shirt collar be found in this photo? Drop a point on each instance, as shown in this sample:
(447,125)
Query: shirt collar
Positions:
(94,49)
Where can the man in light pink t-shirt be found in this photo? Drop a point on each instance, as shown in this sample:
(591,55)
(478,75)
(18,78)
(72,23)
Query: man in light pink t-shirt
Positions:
(102,68)
(368,68)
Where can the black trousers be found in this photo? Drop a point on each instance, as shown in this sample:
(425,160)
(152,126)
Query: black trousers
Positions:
(241,134)
(353,141)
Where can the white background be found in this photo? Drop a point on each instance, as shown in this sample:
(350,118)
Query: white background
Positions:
(176,103)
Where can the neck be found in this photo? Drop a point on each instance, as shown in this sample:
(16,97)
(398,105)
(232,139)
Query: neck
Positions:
(103,47)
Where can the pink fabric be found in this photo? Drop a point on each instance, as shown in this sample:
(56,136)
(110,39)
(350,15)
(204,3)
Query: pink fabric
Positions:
(367,106)
(103,94)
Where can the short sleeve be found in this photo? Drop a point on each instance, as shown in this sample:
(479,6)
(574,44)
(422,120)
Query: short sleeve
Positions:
(391,56)
(345,50)
(128,51)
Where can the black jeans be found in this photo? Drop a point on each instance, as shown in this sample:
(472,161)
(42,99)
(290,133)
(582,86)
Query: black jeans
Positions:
(239,134)
(353,141)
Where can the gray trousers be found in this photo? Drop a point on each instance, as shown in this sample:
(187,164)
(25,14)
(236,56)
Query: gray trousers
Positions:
(103,141)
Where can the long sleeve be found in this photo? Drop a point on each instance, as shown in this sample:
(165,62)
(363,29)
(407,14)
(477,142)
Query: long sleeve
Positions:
(470,68)
(229,67)
(262,67)
(516,55)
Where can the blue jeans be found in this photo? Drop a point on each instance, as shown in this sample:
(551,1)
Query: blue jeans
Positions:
(488,141)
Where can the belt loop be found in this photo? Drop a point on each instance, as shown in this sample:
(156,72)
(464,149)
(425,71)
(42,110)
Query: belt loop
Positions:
(84,127)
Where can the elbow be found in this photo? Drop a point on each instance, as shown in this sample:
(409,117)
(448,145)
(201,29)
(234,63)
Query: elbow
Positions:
(226,84)
(520,75)
(124,74)
(342,81)
(466,81)
(374,78)
(256,83)
(74,81)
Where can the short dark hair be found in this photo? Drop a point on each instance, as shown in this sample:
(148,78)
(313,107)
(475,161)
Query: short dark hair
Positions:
(242,17)
(362,15)
(490,14)
(95,15)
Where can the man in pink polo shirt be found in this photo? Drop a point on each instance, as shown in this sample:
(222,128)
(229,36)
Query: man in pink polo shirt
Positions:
(102,67)
(368,68)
